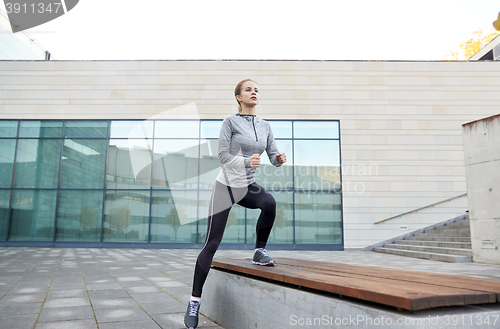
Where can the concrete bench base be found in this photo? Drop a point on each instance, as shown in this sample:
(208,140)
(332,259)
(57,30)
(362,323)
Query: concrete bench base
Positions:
(239,302)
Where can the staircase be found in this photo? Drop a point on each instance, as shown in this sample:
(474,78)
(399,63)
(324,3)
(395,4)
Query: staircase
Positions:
(449,242)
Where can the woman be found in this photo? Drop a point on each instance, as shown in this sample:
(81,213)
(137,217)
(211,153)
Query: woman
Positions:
(243,138)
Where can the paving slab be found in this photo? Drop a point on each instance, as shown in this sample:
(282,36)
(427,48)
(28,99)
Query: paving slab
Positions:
(17,321)
(24,298)
(121,315)
(108,294)
(174,306)
(73,324)
(72,293)
(20,308)
(130,325)
(66,314)
(108,303)
(66,302)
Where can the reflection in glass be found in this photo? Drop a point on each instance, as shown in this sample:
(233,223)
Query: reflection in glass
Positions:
(203,204)
(281,129)
(33,213)
(8,128)
(83,162)
(4,213)
(175,163)
(235,226)
(174,216)
(7,151)
(86,129)
(317,165)
(210,129)
(126,216)
(131,129)
(209,163)
(37,163)
(79,216)
(177,128)
(41,129)
(276,178)
(282,231)
(129,164)
(316,129)
(318,218)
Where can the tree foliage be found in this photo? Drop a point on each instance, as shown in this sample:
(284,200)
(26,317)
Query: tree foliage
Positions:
(468,48)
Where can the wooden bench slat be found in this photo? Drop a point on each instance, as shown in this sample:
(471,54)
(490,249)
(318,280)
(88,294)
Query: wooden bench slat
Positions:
(421,295)
(446,280)
(403,289)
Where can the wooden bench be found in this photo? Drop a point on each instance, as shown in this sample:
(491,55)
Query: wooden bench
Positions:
(408,290)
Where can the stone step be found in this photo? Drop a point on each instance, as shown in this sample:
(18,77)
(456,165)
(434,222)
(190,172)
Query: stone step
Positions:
(444,244)
(437,238)
(429,249)
(465,224)
(445,234)
(453,230)
(425,255)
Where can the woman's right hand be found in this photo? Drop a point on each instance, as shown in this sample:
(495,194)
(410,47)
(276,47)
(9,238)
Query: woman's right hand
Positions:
(254,161)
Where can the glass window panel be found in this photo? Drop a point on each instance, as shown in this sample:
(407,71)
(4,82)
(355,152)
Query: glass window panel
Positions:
(235,226)
(83,162)
(4,213)
(281,129)
(33,213)
(316,129)
(7,152)
(276,178)
(174,216)
(8,128)
(318,218)
(176,164)
(129,164)
(317,165)
(132,129)
(43,129)
(209,163)
(210,129)
(177,129)
(37,163)
(79,216)
(88,129)
(126,216)
(282,231)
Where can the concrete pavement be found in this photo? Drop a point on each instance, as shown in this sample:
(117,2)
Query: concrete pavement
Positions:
(141,288)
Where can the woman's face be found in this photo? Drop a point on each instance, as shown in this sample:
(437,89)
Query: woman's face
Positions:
(249,94)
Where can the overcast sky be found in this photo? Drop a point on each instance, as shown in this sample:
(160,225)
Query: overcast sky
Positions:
(271,29)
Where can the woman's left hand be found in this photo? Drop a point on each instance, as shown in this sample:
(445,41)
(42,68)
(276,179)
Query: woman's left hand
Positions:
(281,157)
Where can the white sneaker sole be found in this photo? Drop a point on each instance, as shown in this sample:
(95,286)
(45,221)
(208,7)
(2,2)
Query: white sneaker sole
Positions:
(271,263)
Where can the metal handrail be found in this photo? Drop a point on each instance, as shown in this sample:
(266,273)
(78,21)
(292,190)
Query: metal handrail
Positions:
(415,210)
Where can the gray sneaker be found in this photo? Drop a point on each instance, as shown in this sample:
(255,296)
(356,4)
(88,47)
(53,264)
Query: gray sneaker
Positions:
(262,258)
(191,317)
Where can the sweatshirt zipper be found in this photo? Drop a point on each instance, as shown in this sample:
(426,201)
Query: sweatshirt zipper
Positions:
(255,131)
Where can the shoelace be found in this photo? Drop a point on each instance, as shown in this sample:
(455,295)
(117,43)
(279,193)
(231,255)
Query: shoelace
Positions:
(264,252)
(193,308)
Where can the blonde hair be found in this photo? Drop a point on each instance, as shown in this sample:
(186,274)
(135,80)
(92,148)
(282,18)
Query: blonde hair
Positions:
(237,91)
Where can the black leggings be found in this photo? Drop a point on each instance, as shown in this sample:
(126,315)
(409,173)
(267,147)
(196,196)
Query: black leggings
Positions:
(223,198)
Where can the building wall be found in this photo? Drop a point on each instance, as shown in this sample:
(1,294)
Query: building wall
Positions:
(482,161)
(401,134)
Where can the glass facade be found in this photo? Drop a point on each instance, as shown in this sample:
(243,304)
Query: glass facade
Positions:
(149,183)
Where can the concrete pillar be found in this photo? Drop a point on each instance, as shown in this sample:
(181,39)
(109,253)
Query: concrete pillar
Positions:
(482,170)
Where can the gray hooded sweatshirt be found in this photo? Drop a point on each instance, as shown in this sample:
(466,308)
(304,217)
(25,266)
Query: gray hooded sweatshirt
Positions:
(240,137)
